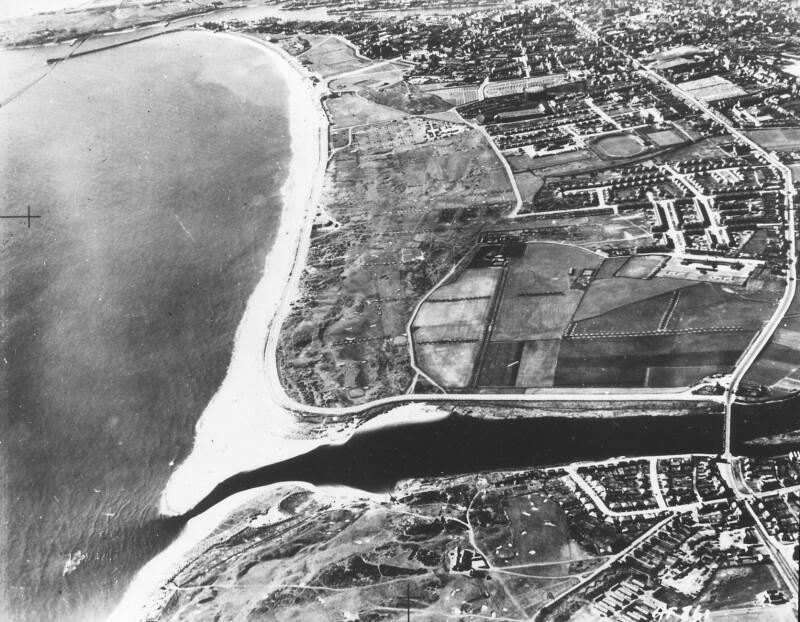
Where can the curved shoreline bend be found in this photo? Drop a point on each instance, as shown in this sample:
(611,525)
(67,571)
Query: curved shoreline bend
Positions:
(151,588)
(242,427)
(250,423)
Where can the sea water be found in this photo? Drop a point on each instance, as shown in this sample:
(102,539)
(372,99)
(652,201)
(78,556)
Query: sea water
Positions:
(155,171)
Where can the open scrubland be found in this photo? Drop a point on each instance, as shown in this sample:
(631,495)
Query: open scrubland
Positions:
(408,194)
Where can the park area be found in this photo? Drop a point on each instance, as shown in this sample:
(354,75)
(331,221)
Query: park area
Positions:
(544,314)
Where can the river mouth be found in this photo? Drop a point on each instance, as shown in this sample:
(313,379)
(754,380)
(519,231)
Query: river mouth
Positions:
(461,444)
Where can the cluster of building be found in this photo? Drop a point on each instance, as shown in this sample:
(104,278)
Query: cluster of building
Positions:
(588,523)
(688,534)
(685,480)
(675,563)
(743,61)
(779,515)
(623,485)
(765,474)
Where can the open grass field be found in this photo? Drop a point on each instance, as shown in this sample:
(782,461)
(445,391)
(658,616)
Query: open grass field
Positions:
(778,365)
(332,56)
(537,368)
(779,138)
(782,613)
(707,305)
(441,320)
(470,283)
(528,184)
(795,168)
(349,110)
(379,76)
(641,266)
(558,164)
(644,315)
(501,364)
(608,294)
(609,267)
(619,146)
(683,376)
(536,533)
(703,148)
(448,364)
(624,362)
(732,588)
(666,138)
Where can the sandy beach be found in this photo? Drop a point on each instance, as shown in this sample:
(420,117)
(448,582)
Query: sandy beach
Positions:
(148,592)
(243,427)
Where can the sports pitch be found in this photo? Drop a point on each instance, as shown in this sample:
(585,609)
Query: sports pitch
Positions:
(619,146)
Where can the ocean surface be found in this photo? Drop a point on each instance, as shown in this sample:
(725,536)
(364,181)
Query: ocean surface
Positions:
(155,169)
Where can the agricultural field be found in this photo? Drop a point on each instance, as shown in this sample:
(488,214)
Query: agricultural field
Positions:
(474,283)
(537,367)
(538,301)
(606,295)
(501,364)
(639,316)
(440,320)
(708,305)
(558,315)
(448,364)
(777,368)
(638,361)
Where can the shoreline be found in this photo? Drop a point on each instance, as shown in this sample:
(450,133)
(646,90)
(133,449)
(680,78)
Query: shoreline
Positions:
(150,588)
(243,427)
(250,422)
